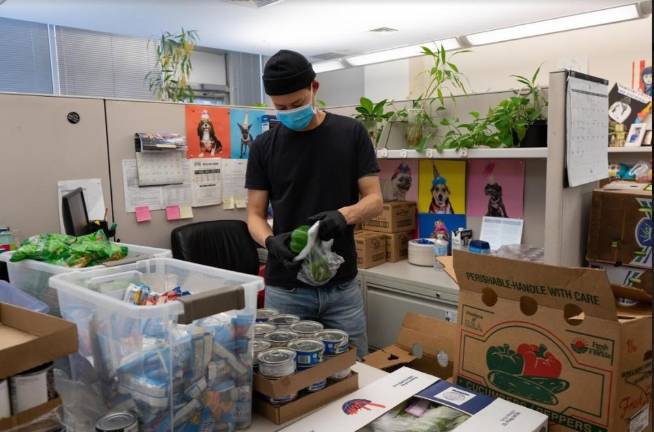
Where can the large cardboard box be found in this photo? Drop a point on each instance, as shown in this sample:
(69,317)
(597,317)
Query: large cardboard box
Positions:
(371,249)
(620,230)
(396,216)
(27,340)
(424,343)
(397,246)
(553,339)
(477,412)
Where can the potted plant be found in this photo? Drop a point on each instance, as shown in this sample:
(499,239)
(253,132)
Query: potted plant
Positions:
(170,80)
(372,115)
(536,132)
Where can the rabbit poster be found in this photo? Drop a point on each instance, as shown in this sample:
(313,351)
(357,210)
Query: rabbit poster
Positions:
(442,188)
(207,132)
(496,188)
(245,126)
(399,179)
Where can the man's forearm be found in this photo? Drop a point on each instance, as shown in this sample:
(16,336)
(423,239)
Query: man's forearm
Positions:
(367,208)
(259,229)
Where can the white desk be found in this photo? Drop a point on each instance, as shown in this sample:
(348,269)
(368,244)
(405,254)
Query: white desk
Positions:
(367,374)
(393,289)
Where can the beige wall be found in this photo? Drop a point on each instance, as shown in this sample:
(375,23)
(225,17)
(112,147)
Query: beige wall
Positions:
(606,51)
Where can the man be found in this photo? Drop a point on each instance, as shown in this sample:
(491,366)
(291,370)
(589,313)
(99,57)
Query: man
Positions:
(314,166)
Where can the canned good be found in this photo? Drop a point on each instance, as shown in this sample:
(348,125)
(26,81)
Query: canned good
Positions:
(341,375)
(336,341)
(265,314)
(282,399)
(123,421)
(284,321)
(258,346)
(261,329)
(31,388)
(306,329)
(277,362)
(280,338)
(317,386)
(309,352)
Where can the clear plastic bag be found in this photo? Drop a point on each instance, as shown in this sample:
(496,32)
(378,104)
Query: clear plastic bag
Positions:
(319,263)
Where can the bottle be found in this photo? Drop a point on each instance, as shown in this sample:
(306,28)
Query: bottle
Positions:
(439,249)
(479,246)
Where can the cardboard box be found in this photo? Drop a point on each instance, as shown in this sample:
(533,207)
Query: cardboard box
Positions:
(354,411)
(397,216)
(26,418)
(397,246)
(553,339)
(425,344)
(631,277)
(300,380)
(29,339)
(371,249)
(307,402)
(620,230)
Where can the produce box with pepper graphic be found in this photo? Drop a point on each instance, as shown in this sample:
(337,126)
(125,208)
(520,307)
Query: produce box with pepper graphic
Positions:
(555,339)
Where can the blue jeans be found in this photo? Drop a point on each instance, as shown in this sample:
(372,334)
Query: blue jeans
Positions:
(336,306)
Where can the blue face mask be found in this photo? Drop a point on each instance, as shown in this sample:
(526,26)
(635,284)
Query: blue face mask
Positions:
(297,119)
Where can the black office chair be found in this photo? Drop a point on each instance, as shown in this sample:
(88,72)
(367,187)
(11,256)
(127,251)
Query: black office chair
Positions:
(225,244)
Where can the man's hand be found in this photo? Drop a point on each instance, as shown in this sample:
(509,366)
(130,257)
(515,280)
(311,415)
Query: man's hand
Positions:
(278,247)
(332,224)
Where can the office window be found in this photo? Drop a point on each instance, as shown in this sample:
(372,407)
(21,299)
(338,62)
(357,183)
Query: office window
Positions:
(244,76)
(25,60)
(100,64)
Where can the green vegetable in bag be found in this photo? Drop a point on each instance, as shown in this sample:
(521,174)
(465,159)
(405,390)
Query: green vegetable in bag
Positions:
(299,238)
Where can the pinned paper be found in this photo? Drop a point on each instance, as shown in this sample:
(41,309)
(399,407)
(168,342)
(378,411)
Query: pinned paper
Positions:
(240,202)
(185,212)
(142,214)
(228,203)
(172,212)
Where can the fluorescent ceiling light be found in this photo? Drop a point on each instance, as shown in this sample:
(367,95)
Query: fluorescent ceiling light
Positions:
(589,19)
(399,53)
(326,66)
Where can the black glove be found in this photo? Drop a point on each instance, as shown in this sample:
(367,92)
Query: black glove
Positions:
(332,224)
(278,247)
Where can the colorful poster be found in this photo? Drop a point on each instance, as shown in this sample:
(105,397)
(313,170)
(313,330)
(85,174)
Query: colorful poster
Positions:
(399,179)
(429,225)
(207,132)
(442,188)
(496,187)
(245,126)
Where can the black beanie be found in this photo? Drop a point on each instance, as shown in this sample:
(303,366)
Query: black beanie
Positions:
(287,71)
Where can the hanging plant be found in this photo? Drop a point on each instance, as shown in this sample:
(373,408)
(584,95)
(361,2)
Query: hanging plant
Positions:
(170,80)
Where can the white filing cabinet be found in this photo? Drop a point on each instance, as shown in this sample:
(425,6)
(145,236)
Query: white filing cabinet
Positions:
(393,289)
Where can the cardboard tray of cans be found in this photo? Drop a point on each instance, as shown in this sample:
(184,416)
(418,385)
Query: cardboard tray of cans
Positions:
(307,402)
(277,388)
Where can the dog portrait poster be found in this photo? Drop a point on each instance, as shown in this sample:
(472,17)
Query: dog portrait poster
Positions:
(496,187)
(429,225)
(245,126)
(399,179)
(442,187)
(207,132)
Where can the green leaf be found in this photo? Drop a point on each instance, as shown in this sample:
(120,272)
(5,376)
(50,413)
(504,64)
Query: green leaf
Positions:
(453,67)
(366,104)
(442,52)
(445,122)
(474,114)
(533,78)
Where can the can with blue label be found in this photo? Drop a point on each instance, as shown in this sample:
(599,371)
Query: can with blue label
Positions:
(309,352)
(306,329)
(317,386)
(336,341)
(284,321)
(262,329)
(280,338)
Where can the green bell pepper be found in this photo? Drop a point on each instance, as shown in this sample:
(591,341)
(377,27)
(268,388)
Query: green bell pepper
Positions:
(299,238)
(503,358)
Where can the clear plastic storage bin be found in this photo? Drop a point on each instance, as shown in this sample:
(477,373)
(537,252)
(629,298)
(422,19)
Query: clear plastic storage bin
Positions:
(32,276)
(185,365)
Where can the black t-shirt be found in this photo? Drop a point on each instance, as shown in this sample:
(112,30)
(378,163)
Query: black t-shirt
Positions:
(309,172)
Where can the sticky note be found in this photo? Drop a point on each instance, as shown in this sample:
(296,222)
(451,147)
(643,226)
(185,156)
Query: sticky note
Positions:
(228,203)
(172,212)
(241,203)
(185,212)
(142,214)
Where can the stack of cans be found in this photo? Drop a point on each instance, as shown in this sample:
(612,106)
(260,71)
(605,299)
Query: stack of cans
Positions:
(336,342)
(276,363)
(309,353)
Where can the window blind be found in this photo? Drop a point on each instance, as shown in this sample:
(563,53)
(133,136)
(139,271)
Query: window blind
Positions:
(25,59)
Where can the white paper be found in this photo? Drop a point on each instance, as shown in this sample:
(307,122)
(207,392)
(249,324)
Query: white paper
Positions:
(234,193)
(160,168)
(501,231)
(587,126)
(136,196)
(383,395)
(206,181)
(93,197)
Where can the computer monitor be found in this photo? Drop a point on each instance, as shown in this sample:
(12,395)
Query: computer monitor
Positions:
(73,209)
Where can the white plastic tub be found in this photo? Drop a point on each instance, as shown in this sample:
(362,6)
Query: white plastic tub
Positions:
(173,376)
(32,276)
